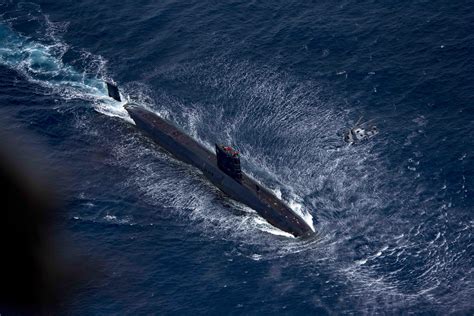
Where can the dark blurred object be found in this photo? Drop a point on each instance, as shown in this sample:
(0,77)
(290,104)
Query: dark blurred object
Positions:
(32,272)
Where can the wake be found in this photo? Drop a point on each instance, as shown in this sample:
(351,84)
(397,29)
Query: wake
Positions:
(42,64)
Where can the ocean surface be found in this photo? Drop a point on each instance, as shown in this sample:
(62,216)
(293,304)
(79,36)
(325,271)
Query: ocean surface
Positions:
(279,80)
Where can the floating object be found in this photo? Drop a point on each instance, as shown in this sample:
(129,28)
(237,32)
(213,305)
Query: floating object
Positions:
(360,132)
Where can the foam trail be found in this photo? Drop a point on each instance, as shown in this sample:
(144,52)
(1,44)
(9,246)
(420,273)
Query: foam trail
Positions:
(42,64)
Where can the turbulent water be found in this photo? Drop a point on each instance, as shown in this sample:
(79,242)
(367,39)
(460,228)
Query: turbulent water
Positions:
(280,80)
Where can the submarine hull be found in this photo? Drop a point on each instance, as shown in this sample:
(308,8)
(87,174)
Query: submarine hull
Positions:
(246,190)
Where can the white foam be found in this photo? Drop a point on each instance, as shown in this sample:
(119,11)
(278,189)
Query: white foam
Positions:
(110,218)
(296,207)
(113,219)
(266,227)
(361,262)
(277,192)
(112,108)
(42,64)
(306,216)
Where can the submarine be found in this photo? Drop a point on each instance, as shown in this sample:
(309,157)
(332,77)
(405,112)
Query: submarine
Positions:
(221,168)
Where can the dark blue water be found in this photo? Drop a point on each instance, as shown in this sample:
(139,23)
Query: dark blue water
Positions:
(280,80)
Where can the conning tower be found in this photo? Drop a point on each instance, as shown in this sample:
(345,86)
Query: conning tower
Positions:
(228,160)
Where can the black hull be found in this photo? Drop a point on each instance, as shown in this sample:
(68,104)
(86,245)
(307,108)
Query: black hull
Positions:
(248,192)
